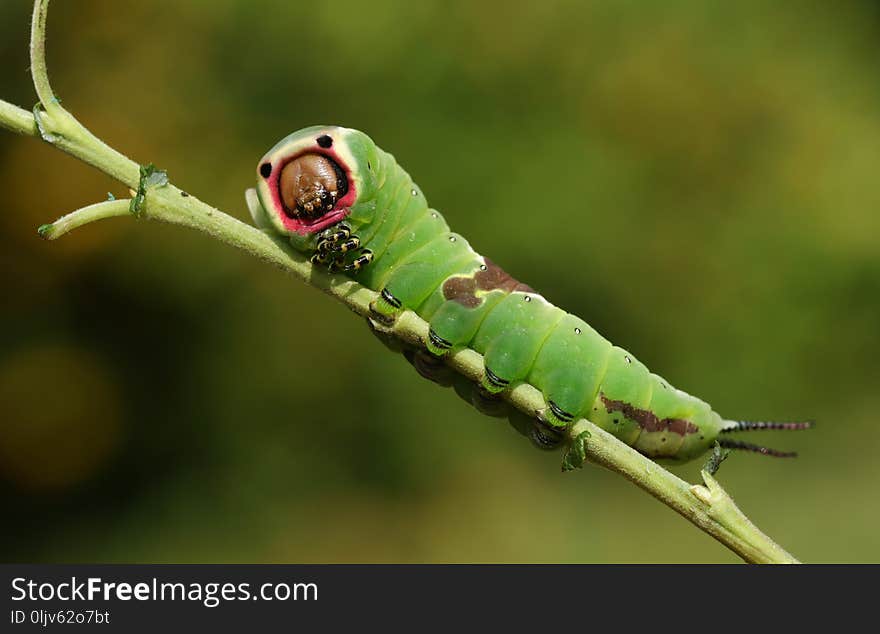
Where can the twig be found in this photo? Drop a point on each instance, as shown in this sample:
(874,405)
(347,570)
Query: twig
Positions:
(80,217)
(15,119)
(707,506)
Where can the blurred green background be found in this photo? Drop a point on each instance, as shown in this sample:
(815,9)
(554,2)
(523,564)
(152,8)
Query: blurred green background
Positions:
(697,180)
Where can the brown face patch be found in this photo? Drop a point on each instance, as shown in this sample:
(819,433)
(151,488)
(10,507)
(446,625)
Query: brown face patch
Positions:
(647,419)
(310,186)
(489,277)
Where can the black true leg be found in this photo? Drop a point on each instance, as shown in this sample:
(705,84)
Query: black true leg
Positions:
(335,234)
(360,261)
(333,245)
(323,258)
(341,247)
(338,241)
(335,261)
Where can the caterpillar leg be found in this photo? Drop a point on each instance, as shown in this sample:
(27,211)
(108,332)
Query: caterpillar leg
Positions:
(386,338)
(470,393)
(359,262)
(540,434)
(333,246)
(487,403)
(430,367)
(323,258)
(545,437)
(335,260)
(326,252)
(386,308)
(335,234)
(350,244)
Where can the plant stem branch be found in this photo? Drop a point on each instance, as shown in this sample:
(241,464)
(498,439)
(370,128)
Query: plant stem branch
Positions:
(15,119)
(80,217)
(707,506)
(39,72)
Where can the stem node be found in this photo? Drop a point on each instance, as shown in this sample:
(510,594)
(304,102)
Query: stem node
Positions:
(43,128)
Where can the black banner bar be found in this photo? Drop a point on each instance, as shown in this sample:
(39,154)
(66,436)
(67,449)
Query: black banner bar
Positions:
(191,597)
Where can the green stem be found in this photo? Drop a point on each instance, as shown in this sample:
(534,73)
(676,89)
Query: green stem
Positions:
(80,217)
(707,506)
(15,119)
(39,71)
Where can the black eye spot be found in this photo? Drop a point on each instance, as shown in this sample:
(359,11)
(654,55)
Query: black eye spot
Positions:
(325,141)
(369,167)
(265,170)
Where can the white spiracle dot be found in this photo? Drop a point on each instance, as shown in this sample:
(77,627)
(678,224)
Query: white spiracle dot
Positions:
(433,215)
(414,192)
(483,267)
(577,331)
(527,298)
(627,359)
(452,238)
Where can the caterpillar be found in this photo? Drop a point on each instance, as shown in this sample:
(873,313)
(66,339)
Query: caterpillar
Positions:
(350,207)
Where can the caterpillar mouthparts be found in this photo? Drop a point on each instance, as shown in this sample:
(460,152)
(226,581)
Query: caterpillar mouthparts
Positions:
(310,185)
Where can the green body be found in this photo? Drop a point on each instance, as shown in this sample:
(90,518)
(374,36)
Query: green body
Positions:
(469,302)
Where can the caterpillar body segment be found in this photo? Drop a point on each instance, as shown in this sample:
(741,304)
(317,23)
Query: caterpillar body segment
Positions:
(454,324)
(571,388)
(415,277)
(338,197)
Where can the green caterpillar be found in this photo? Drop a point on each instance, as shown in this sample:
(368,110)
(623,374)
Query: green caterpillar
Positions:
(339,198)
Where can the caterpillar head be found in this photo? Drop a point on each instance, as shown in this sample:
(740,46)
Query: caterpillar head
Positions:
(311,180)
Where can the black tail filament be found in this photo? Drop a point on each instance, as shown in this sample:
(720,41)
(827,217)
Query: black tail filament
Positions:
(745,425)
